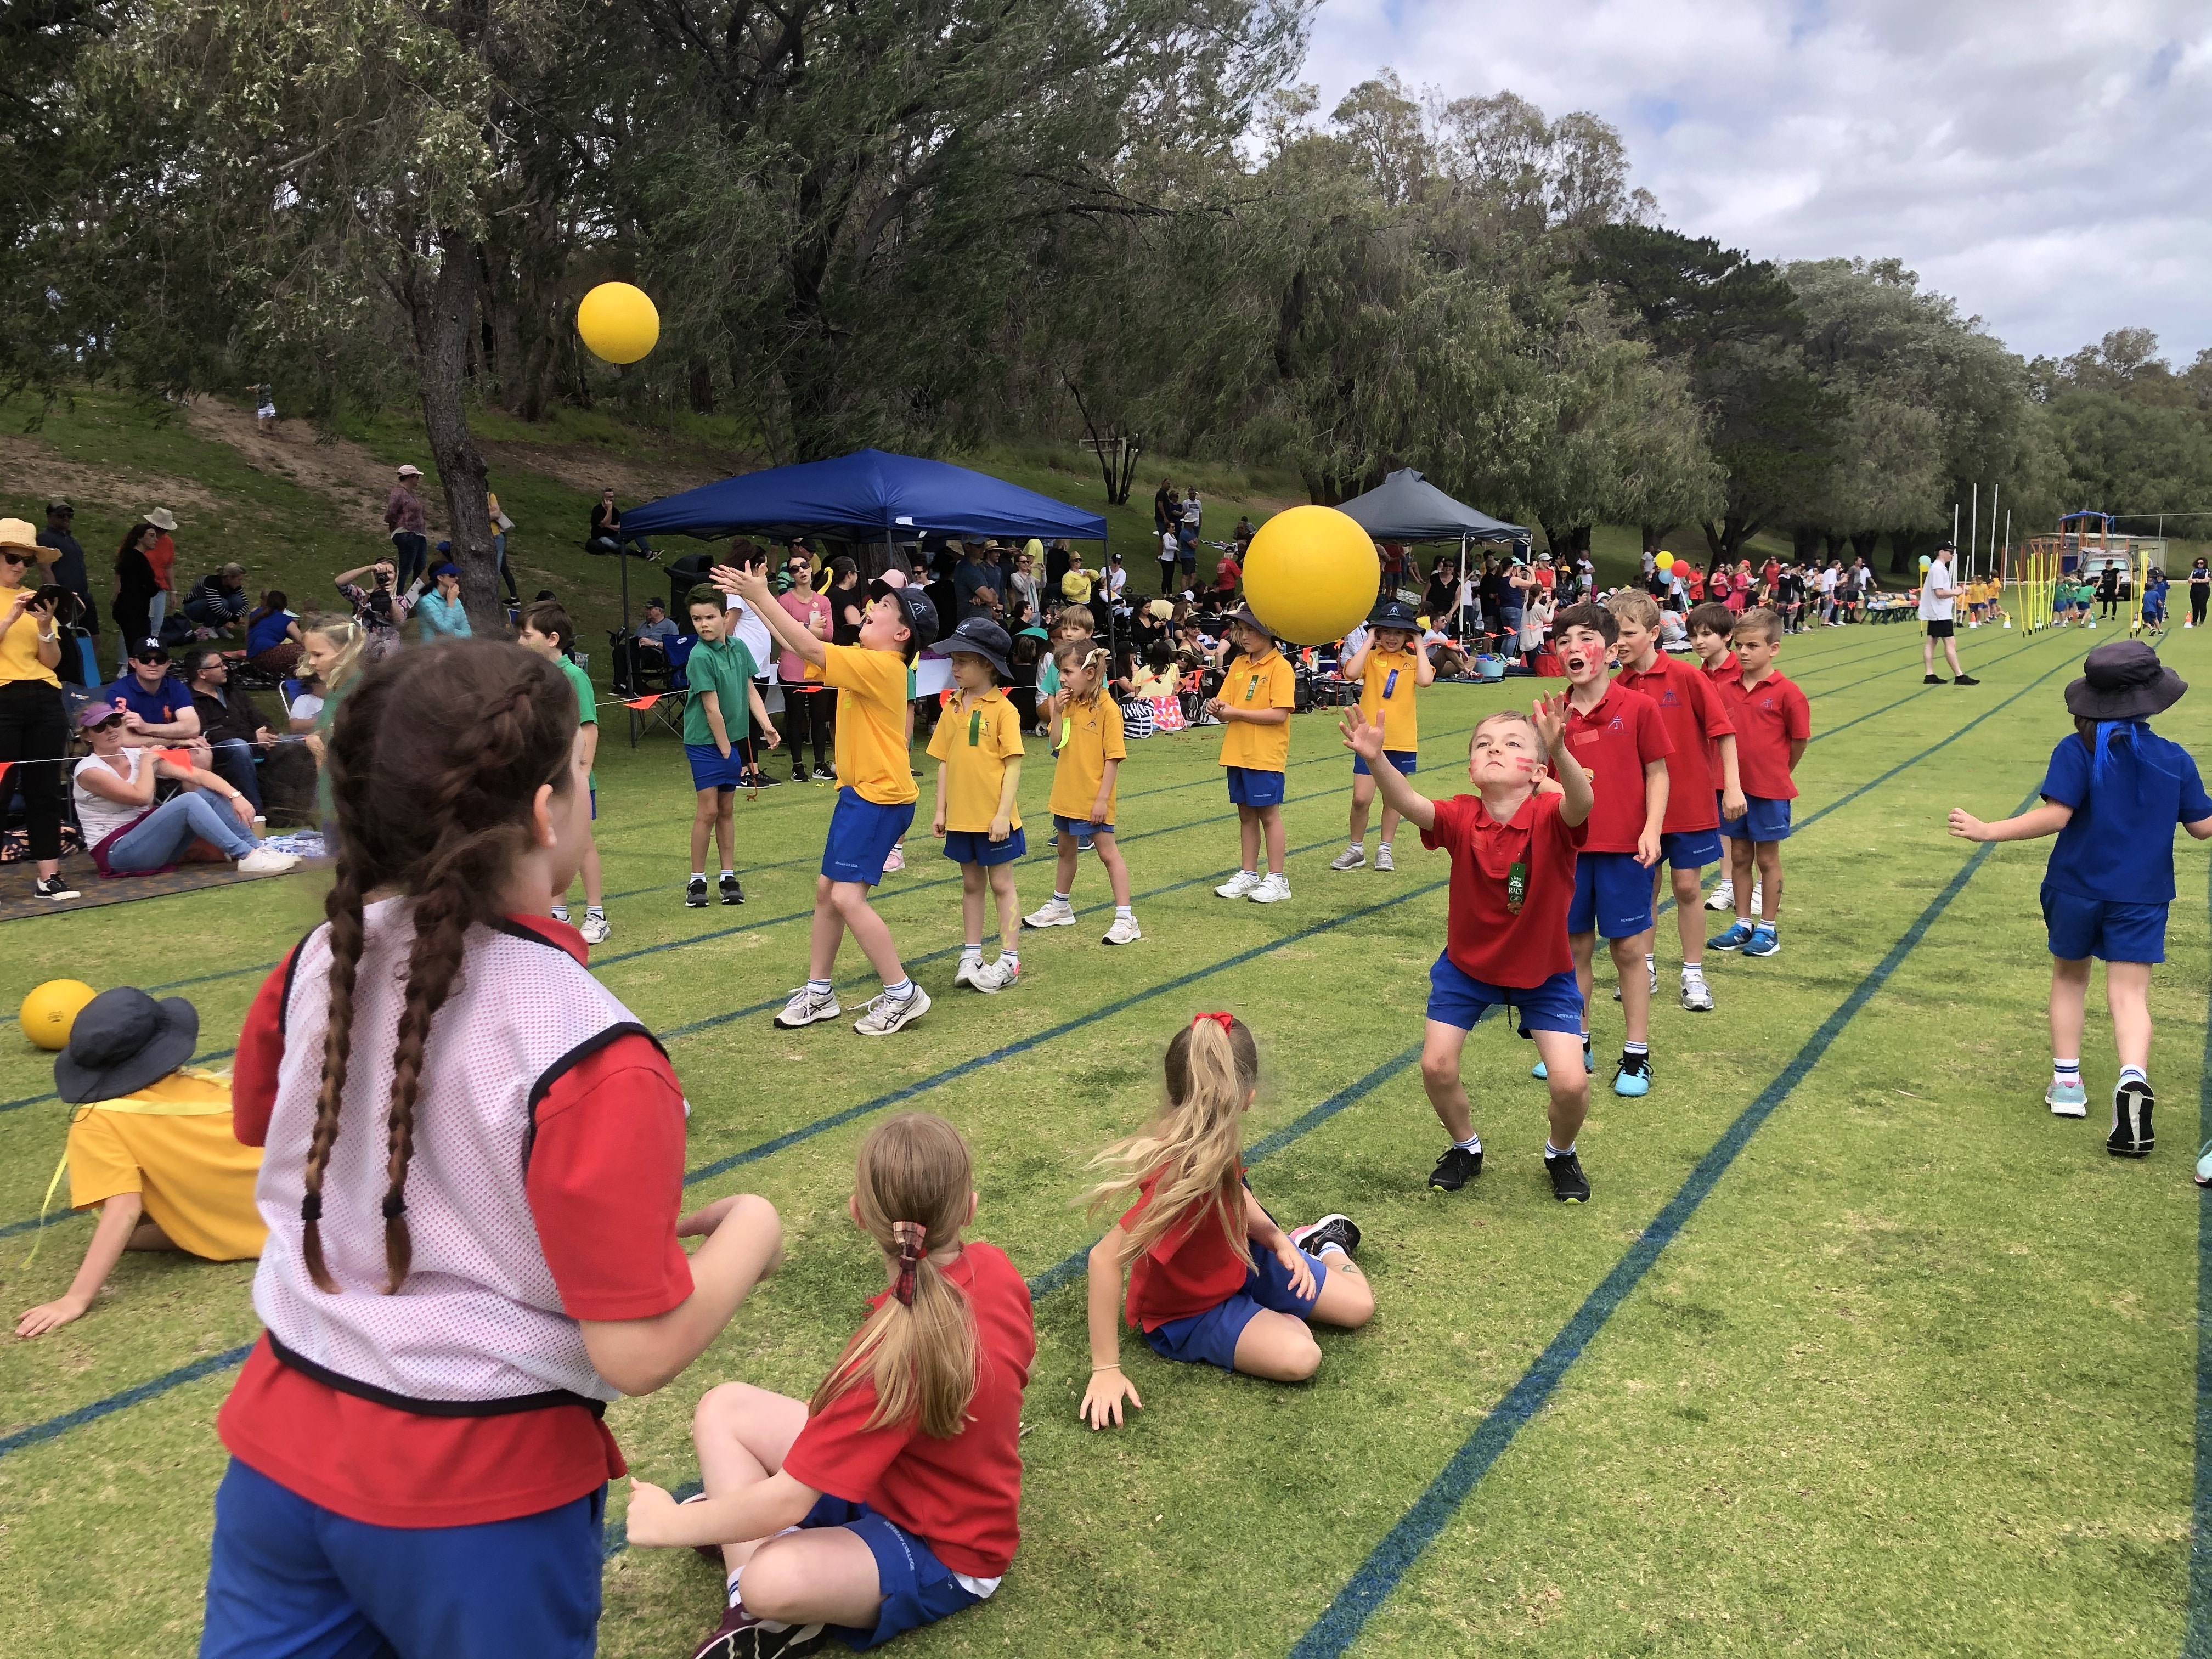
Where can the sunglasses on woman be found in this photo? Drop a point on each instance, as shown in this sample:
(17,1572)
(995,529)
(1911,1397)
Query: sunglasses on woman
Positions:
(15,557)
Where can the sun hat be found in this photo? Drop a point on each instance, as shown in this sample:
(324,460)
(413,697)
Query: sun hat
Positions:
(980,636)
(1244,613)
(96,713)
(409,470)
(124,1040)
(1393,613)
(919,614)
(17,532)
(1160,609)
(161,519)
(2124,680)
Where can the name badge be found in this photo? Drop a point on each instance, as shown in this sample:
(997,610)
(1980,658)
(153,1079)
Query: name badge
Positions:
(1390,685)
(1516,887)
(974,727)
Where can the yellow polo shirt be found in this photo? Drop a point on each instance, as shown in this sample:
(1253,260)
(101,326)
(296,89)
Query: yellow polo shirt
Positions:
(872,757)
(1093,737)
(975,738)
(171,1144)
(1400,730)
(1263,682)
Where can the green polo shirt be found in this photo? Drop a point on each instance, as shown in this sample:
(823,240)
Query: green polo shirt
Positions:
(726,669)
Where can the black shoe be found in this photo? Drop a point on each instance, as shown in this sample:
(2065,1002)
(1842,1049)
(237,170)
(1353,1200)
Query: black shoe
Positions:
(762,780)
(2131,1136)
(695,893)
(732,893)
(787,1643)
(825,775)
(1569,1184)
(1338,1230)
(53,887)
(1931,679)
(1455,1169)
(1966,679)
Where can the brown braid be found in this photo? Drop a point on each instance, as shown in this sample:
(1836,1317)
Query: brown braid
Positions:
(433,800)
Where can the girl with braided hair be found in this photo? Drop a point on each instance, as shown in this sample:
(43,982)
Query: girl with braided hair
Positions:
(891,1499)
(473,1177)
(1213,1277)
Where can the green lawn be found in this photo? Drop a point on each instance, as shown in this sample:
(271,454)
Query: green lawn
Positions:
(1915,1378)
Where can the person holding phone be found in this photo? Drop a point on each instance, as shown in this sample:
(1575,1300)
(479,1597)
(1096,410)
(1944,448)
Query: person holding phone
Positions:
(33,727)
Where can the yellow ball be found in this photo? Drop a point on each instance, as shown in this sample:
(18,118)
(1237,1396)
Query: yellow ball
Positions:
(51,1009)
(619,322)
(1311,574)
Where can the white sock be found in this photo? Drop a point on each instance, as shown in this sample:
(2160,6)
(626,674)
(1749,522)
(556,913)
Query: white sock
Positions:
(900,992)
(727,871)
(560,913)
(1123,913)
(698,875)
(2065,1071)
(1381,846)
(598,910)
(2134,1073)
(1472,1144)
(971,952)
(818,987)
(1060,898)
(1692,972)
(1550,1151)
(1635,1048)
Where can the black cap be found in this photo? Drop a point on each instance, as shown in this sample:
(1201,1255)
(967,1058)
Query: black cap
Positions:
(1395,613)
(124,1040)
(919,615)
(148,651)
(980,636)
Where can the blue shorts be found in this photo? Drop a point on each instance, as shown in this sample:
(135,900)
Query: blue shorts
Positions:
(710,771)
(1404,759)
(1210,1338)
(976,846)
(918,1588)
(861,836)
(290,1577)
(1613,897)
(1689,849)
(2083,927)
(1250,785)
(1081,829)
(1457,998)
(1764,819)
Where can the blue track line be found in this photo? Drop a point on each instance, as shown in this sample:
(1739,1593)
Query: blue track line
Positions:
(1387,1566)
(208,1366)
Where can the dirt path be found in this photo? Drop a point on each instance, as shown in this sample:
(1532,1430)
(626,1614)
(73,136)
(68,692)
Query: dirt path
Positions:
(343,473)
(42,471)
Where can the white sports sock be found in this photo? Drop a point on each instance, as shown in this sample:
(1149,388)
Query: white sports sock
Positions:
(698,875)
(2136,1072)
(1060,898)
(1472,1144)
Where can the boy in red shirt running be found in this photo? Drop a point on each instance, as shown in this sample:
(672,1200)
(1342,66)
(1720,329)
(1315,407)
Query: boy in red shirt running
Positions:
(1773,722)
(1513,846)
(1705,744)
(1617,738)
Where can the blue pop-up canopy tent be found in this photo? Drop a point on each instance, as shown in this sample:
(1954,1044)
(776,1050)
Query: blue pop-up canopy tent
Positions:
(866,496)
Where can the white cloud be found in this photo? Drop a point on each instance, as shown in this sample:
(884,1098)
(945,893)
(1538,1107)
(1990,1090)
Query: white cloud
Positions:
(2049,164)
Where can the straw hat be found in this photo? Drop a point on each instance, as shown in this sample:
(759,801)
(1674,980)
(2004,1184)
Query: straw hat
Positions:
(17,532)
(161,519)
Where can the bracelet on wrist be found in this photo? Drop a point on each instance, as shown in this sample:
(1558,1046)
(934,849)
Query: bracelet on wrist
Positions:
(1115,1366)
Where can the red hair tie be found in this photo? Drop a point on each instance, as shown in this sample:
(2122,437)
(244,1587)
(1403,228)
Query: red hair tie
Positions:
(910,1236)
(1227,1022)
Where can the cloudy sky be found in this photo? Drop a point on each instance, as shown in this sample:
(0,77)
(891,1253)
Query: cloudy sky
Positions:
(2048,164)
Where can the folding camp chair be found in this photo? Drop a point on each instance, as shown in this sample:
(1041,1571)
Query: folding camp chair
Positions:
(660,689)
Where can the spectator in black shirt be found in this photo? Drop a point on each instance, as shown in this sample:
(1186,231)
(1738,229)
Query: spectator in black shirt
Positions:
(230,724)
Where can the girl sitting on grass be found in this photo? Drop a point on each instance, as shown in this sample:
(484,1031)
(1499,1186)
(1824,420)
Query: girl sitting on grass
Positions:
(890,1500)
(1212,1276)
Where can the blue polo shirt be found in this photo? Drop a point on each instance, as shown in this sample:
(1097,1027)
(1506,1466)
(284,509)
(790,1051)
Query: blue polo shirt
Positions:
(159,707)
(2118,845)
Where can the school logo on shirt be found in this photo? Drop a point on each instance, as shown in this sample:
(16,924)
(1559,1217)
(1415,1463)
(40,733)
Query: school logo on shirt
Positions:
(1616,724)
(1766,703)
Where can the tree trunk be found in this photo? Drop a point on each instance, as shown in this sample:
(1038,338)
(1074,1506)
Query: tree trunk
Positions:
(1653,536)
(1729,535)
(1803,544)
(703,385)
(1904,545)
(442,310)
(1862,543)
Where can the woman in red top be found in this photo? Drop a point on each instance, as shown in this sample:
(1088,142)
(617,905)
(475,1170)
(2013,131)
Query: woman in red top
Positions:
(473,1228)
(1212,1276)
(890,1500)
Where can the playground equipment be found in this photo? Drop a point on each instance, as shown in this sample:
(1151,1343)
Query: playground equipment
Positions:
(2085,545)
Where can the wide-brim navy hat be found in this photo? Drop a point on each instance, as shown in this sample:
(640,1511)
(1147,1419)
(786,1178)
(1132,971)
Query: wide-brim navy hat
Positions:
(981,637)
(122,1039)
(1245,614)
(2121,680)
(1395,613)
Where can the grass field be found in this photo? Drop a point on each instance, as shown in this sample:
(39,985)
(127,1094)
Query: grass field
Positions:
(1856,1350)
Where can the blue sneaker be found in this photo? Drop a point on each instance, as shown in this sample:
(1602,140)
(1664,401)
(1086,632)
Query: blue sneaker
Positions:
(1764,942)
(2067,1099)
(1738,936)
(1538,1072)
(1634,1077)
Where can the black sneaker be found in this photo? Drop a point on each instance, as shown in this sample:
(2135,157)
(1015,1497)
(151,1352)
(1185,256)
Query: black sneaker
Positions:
(695,893)
(1966,679)
(1455,1169)
(787,1643)
(825,775)
(1338,1230)
(1569,1184)
(2131,1136)
(53,887)
(732,893)
(1931,679)
(762,780)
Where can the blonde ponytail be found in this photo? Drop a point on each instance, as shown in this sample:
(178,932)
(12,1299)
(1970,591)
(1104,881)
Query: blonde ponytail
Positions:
(918,1349)
(1195,1146)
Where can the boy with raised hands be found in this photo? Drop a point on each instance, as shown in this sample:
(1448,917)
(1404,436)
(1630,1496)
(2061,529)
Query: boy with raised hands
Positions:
(1513,846)
(1616,736)
(1697,725)
(1773,722)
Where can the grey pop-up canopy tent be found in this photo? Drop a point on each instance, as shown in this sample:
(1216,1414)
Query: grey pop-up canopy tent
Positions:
(1406,507)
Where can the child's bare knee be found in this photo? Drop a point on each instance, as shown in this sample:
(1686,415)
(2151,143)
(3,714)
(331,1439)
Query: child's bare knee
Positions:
(718,1409)
(1300,1358)
(1440,1071)
(775,1583)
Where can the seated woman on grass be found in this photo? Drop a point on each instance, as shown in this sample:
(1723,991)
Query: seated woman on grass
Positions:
(128,835)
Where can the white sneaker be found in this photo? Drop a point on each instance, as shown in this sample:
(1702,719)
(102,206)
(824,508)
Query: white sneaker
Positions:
(969,971)
(1053,913)
(594,929)
(1652,969)
(1351,858)
(1271,889)
(1239,885)
(1382,860)
(1124,931)
(1001,976)
(267,862)
(1697,995)
(885,1014)
(804,1008)
(1723,897)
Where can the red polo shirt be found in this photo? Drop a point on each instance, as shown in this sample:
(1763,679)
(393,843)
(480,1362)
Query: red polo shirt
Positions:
(1192,1266)
(1484,938)
(1769,717)
(1694,716)
(1614,741)
(1726,669)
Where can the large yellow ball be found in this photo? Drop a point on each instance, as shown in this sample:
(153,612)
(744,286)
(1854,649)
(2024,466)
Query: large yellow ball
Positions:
(619,322)
(51,1009)
(1312,574)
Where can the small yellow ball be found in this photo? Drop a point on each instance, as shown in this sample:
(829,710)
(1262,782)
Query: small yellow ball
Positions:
(1312,574)
(619,324)
(51,1009)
